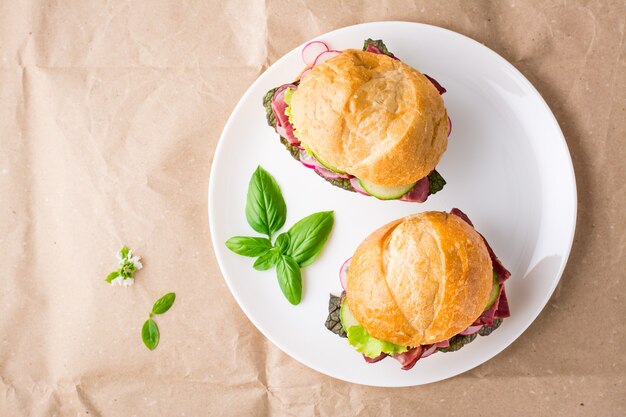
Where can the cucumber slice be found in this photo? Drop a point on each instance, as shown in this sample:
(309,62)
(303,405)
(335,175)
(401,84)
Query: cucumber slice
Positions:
(332,168)
(385,193)
(347,319)
(495,291)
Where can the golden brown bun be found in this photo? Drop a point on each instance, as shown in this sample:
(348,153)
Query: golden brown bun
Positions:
(420,280)
(371,116)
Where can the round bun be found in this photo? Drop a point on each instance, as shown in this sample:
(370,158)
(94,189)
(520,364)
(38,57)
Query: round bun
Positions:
(371,116)
(420,280)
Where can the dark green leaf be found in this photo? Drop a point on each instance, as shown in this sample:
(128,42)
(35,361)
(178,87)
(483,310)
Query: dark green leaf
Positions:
(436,182)
(293,150)
(457,342)
(333,321)
(289,278)
(267,260)
(150,334)
(282,242)
(249,246)
(308,237)
(339,182)
(487,330)
(267,103)
(164,303)
(112,276)
(265,207)
(378,44)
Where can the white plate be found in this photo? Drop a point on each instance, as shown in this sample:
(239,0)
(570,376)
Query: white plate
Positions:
(507,166)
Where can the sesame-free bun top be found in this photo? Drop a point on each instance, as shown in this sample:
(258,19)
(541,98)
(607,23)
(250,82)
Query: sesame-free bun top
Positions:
(371,116)
(420,279)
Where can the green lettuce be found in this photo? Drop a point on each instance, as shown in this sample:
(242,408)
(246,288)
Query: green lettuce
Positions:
(288,96)
(369,345)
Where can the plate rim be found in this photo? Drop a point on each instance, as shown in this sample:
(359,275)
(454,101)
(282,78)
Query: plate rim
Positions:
(531,89)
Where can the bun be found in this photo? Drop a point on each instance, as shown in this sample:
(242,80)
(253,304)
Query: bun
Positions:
(420,280)
(371,116)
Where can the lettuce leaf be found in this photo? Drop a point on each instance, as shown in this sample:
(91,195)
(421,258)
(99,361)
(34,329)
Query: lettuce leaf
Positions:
(378,44)
(435,181)
(369,345)
(267,103)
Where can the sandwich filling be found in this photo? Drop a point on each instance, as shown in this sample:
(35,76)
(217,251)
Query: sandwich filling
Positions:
(341,322)
(277,103)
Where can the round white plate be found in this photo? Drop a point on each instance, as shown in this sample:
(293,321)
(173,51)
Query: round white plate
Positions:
(507,166)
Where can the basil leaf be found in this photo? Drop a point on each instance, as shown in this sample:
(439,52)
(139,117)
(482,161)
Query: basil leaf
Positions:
(112,276)
(267,260)
(265,207)
(164,303)
(282,242)
(249,246)
(308,237)
(289,278)
(435,182)
(150,334)
(124,252)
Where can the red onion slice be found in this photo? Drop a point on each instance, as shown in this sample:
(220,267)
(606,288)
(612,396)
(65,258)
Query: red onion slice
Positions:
(471,330)
(354,182)
(343,273)
(325,56)
(312,50)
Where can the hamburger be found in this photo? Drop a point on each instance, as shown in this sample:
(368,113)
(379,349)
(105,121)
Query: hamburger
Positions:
(425,283)
(364,121)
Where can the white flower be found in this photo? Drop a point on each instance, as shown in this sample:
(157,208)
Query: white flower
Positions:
(128,282)
(119,258)
(134,260)
(117,281)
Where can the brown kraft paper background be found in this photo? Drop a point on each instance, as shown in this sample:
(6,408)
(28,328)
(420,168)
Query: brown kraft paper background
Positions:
(110,113)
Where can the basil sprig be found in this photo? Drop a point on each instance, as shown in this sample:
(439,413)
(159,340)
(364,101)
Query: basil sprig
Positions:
(266,213)
(265,207)
(150,332)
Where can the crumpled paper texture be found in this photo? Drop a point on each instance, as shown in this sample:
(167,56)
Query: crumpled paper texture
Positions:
(110,112)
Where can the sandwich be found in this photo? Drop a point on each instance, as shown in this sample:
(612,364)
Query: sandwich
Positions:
(364,121)
(422,284)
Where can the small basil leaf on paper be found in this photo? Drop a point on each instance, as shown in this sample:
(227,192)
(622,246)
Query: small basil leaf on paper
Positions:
(265,207)
(249,246)
(150,334)
(308,237)
(112,276)
(267,260)
(282,242)
(124,252)
(164,303)
(289,278)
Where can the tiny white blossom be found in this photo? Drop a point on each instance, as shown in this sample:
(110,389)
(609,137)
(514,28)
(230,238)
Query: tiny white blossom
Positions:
(134,260)
(128,282)
(119,258)
(117,281)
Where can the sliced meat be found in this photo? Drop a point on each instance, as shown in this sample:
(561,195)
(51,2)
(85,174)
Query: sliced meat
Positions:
(376,359)
(409,358)
(419,193)
(278,107)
